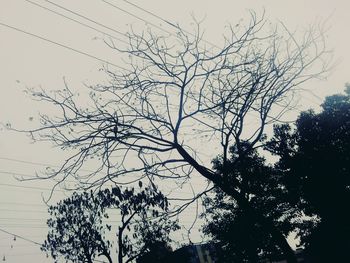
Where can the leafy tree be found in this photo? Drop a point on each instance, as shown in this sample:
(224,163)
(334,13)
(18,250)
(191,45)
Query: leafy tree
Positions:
(178,94)
(242,238)
(315,158)
(77,228)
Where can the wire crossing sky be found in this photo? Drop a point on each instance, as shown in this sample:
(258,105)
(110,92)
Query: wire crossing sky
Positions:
(44,41)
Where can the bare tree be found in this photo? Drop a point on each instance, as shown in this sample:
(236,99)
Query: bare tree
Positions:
(179,93)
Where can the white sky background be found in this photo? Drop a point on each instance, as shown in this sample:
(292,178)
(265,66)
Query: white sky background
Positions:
(27,62)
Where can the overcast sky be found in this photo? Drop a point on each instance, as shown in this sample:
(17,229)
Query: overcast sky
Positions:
(26,61)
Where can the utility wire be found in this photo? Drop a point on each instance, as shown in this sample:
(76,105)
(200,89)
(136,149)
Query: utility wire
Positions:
(35,220)
(31,177)
(35,163)
(60,45)
(24,211)
(152,14)
(165,20)
(76,21)
(22,219)
(18,174)
(24,204)
(110,212)
(102,25)
(39,164)
(32,241)
(85,17)
(68,181)
(139,18)
(32,187)
(83,24)
(20,237)
(94,21)
(28,162)
(17,246)
(24,225)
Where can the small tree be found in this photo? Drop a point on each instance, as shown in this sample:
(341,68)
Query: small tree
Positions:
(77,229)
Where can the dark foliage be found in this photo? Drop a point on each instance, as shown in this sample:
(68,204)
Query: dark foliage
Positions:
(77,227)
(76,230)
(243,239)
(315,159)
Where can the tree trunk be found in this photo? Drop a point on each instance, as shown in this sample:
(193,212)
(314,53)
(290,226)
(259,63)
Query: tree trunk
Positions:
(120,245)
(277,236)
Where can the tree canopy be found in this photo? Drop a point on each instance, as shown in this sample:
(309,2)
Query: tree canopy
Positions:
(76,230)
(241,237)
(314,158)
(78,227)
(307,191)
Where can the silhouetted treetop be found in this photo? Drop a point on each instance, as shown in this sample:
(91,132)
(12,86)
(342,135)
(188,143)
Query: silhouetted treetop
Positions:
(315,160)
(79,230)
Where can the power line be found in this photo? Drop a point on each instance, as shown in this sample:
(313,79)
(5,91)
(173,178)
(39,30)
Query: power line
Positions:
(33,193)
(27,162)
(185,215)
(107,27)
(18,174)
(32,187)
(16,246)
(152,14)
(60,45)
(45,164)
(70,181)
(22,219)
(85,17)
(29,176)
(165,20)
(25,225)
(48,189)
(139,18)
(23,204)
(34,220)
(37,163)
(94,21)
(23,255)
(24,211)
(83,24)
(76,21)
(33,177)
(19,236)
(31,241)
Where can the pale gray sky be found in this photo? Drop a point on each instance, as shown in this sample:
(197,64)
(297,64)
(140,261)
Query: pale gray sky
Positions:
(26,62)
